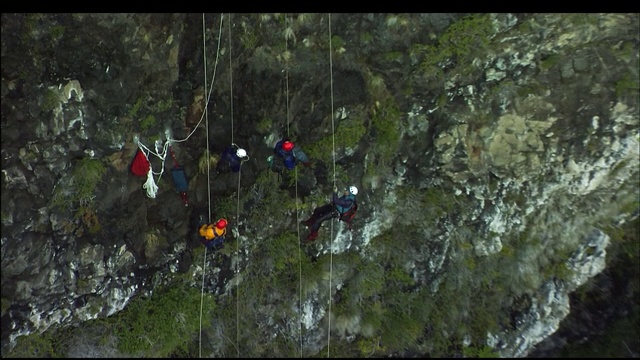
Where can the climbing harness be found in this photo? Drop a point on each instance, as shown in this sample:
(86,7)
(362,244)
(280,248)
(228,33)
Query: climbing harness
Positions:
(348,216)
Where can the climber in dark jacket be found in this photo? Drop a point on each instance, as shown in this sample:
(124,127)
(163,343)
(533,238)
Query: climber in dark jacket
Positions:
(336,208)
(287,153)
(232,157)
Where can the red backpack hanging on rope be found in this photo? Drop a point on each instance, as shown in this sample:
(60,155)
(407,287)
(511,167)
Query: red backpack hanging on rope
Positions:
(140,165)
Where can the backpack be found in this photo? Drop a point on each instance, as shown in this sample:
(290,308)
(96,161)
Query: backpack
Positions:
(276,164)
(179,179)
(140,165)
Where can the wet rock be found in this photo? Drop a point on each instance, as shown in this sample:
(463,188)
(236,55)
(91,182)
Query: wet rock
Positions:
(510,139)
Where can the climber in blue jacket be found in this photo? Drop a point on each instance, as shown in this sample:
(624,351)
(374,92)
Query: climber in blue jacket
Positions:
(287,154)
(340,207)
(232,157)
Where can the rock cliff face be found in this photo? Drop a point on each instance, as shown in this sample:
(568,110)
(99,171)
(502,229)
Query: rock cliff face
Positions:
(496,157)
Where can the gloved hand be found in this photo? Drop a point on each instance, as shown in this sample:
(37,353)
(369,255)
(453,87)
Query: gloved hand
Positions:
(335,189)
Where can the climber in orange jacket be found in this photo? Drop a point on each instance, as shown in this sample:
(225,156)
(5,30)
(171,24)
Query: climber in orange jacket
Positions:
(213,234)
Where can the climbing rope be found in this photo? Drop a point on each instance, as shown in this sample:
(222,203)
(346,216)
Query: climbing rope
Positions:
(299,265)
(237,232)
(295,172)
(230,78)
(205,115)
(238,270)
(204,266)
(333,141)
(150,185)
(286,76)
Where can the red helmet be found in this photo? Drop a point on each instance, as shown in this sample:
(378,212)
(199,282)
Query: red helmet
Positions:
(287,146)
(221,224)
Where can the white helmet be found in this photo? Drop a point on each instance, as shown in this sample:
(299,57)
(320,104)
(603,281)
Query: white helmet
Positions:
(241,153)
(353,190)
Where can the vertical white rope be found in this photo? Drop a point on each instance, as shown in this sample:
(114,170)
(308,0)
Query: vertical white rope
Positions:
(295,171)
(299,267)
(204,267)
(208,97)
(286,74)
(206,117)
(238,202)
(230,77)
(206,106)
(238,269)
(333,140)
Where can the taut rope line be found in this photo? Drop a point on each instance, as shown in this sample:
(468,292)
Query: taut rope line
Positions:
(230,78)
(286,76)
(295,171)
(238,202)
(205,114)
(238,270)
(204,266)
(333,140)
